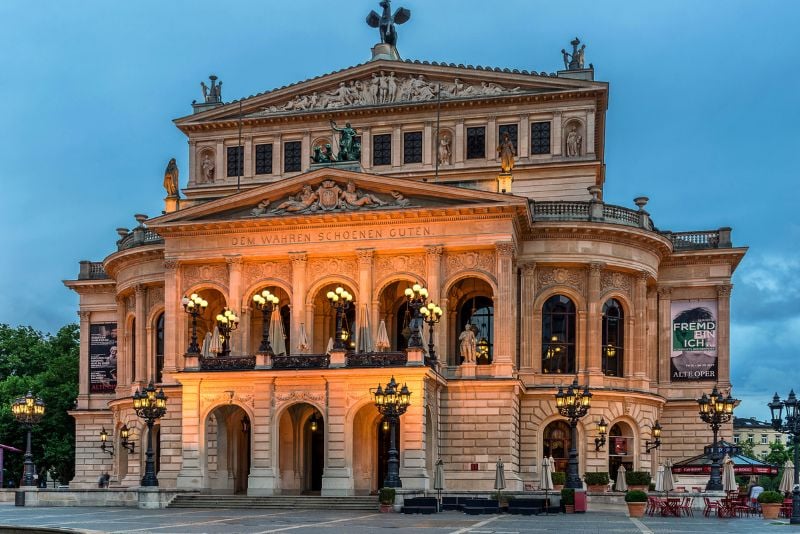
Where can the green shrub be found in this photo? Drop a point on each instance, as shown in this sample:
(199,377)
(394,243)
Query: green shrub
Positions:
(386,495)
(635,496)
(596,479)
(567,496)
(637,478)
(770,497)
(559,477)
(652,486)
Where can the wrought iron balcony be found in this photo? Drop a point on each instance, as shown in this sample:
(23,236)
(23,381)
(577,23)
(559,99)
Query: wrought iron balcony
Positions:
(305,361)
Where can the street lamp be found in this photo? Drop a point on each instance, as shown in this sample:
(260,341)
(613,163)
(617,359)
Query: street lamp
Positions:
(227,322)
(791,426)
(150,406)
(573,404)
(716,410)
(392,403)
(194,305)
(266,302)
(656,443)
(340,300)
(124,432)
(431,315)
(28,410)
(416,295)
(602,428)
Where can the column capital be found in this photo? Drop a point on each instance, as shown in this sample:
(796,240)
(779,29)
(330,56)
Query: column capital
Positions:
(434,250)
(140,290)
(171,264)
(724,290)
(365,255)
(642,276)
(84,315)
(298,258)
(528,269)
(595,268)
(505,249)
(664,292)
(234,259)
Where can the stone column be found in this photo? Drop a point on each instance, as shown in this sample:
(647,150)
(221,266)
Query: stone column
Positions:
(433,273)
(337,478)
(593,333)
(140,292)
(299,263)
(173,318)
(664,334)
(366,148)
(555,134)
(235,299)
(527,346)
(524,141)
(640,341)
(262,479)
(365,257)
(724,335)
(458,143)
(123,348)
(505,325)
(83,377)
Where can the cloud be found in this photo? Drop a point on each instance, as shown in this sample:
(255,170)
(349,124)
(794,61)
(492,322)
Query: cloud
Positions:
(767,287)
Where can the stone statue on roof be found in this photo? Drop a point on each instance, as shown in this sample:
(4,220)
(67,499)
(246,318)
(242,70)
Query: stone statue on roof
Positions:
(385,21)
(575,60)
(213,94)
(171,179)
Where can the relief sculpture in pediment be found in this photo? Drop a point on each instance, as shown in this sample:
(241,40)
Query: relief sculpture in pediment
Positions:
(383,88)
(329,196)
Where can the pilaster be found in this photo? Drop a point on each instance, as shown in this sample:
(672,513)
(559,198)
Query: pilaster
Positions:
(299,263)
(640,342)
(433,273)
(262,479)
(664,335)
(505,325)
(172,320)
(724,335)
(527,321)
(83,360)
(365,266)
(140,293)
(235,299)
(555,135)
(123,349)
(593,334)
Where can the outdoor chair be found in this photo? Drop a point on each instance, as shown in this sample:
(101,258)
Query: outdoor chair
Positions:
(653,505)
(786,508)
(711,506)
(686,506)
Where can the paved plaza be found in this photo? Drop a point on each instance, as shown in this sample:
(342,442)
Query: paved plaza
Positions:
(228,521)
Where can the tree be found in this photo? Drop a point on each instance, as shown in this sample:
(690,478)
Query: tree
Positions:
(747,448)
(47,365)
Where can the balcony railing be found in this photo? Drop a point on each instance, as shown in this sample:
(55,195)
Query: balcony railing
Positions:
(92,270)
(138,237)
(701,239)
(228,363)
(301,361)
(376,359)
(305,361)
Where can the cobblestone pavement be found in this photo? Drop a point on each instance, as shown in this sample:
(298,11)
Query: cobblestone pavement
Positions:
(228,521)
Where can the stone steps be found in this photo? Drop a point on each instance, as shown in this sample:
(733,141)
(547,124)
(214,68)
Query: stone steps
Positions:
(278,502)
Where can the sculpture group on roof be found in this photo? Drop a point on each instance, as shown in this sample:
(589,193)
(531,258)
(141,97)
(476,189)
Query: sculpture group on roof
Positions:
(213,94)
(385,21)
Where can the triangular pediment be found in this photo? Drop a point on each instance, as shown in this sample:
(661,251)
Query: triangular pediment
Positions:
(386,83)
(328,192)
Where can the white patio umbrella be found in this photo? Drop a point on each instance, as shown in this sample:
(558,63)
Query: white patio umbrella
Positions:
(621,484)
(500,476)
(329,348)
(382,343)
(276,336)
(438,480)
(546,481)
(668,482)
(215,346)
(660,478)
(205,351)
(302,343)
(728,475)
(787,480)
(364,332)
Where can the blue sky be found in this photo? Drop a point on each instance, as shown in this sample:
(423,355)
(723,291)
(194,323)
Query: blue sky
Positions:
(703,119)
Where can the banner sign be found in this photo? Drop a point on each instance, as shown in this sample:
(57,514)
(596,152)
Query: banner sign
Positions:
(694,340)
(102,358)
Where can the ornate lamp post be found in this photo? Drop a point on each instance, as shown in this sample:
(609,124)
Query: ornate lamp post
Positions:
(573,404)
(790,425)
(340,301)
(227,322)
(392,403)
(656,443)
(28,410)
(150,406)
(266,302)
(716,410)
(602,429)
(431,315)
(194,305)
(416,295)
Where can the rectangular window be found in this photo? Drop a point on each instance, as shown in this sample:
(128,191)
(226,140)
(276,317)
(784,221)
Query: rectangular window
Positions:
(382,149)
(540,138)
(764,439)
(511,130)
(736,438)
(750,438)
(412,147)
(292,156)
(264,159)
(476,142)
(235,160)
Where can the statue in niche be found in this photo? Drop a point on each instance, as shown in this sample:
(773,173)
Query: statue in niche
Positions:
(350,197)
(207,166)
(385,21)
(468,344)
(574,142)
(443,152)
(171,183)
(302,201)
(349,149)
(506,151)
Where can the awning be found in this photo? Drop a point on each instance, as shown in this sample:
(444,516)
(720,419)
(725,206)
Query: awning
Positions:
(742,465)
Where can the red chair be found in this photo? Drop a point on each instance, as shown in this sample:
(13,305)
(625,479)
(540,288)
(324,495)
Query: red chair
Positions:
(786,508)
(711,506)
(686,506)
(653,505)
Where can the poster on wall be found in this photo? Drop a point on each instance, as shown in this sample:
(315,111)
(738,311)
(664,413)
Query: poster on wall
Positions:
(102,358)
(694,340)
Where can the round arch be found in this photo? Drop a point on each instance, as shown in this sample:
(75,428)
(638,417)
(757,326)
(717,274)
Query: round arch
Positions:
(361,422)
(341,280)
(581,437)
(481,275)
(299,450)
(209,284)
(225,446)
(381,285)
(247,294)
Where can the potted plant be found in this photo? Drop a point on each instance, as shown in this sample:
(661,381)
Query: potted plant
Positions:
(502,499)
(771,502)
(638,480)
(559,479)
(386,498)
(636,501)
(597,481)
(568,500)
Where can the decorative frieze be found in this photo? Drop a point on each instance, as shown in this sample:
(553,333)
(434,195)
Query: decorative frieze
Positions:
(228,397)
(155,297)
(561,276)
(299,395)
(195,274)
(322,267)
(482,260)
(615,281)
(253,272)
(388,265)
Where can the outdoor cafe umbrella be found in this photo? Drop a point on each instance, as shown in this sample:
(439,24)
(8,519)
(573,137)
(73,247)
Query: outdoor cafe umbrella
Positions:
(660,478)
(382,343)
(438,480)
(205,351)
(329,348)
(787,480)
(620,484)
(215,345)
(364,336)
(728,476)
(500,476)
(276,337)
(546,482)
(668,482)
(302,343)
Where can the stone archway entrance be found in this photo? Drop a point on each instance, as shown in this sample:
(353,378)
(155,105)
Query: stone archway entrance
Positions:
(301,449)
(227,444)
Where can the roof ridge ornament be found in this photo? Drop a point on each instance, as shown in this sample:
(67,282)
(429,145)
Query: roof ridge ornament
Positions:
(385,22)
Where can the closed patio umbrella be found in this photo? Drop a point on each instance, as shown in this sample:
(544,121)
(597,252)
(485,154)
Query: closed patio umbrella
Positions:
(302,343)
(546,481)
(382,343)
(276,336)
(215,346)
(329,348)
(205,351)
(787,480)
(500,476)
(668,482)
(728,475)
(438,481)
(660,478)
(621,484)
(364,332)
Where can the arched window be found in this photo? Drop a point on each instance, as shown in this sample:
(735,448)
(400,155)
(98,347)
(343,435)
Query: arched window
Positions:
(558,335)
(613,338)
(133,350)
(557,442)
(159,347)
(620,448)
(479,312)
